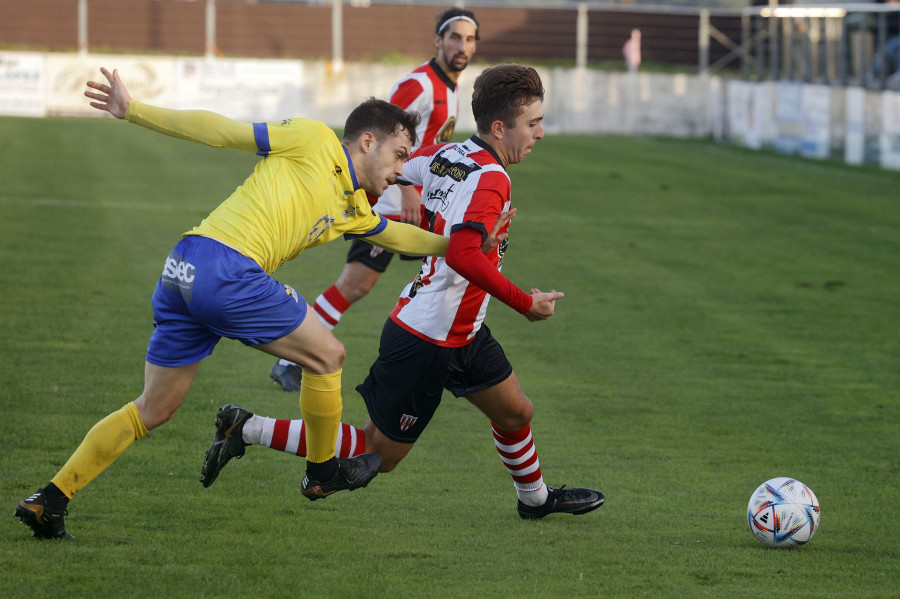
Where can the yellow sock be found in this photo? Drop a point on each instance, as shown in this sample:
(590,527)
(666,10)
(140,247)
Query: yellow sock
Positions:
(320,405)
(101,446)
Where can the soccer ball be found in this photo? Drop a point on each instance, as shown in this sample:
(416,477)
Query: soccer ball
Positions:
(783,512)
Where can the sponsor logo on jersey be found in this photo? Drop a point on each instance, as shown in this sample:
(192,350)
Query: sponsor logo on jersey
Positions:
(178,275)
(322,225)
(442,167)
(349,212)
(406,421)
(441,196)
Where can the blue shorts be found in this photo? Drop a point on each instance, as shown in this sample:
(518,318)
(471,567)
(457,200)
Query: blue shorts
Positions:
(208,291)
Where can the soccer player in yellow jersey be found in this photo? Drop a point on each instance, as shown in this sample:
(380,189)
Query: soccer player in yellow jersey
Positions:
(308,189)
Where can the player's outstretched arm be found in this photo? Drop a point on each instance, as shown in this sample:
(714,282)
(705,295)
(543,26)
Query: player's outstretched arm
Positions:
(409,240)
(542,304)
(113,98)
(200,126)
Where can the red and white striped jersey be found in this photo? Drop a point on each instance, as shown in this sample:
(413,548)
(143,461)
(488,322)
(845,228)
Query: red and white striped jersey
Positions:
(464,185)
(428,91)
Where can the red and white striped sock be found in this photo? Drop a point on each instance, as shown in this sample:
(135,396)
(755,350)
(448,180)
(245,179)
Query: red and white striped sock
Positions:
(519,455)
(289,436)
(330,306)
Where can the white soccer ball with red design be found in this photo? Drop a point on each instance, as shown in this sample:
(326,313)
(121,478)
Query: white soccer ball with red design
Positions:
(783,512)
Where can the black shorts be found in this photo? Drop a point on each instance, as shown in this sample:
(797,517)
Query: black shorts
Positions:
(405,384)
(373,256)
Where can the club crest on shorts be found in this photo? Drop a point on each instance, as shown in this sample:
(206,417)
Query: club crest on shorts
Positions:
(407,421)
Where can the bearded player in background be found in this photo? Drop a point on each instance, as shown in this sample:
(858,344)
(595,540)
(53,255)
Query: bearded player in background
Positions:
(431,90)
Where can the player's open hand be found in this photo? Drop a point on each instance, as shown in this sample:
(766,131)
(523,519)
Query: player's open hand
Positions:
(410,205)
(113,98)
(496,238)
(543,304)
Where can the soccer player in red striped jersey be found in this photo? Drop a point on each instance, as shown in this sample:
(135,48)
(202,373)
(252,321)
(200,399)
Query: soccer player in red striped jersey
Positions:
(431,90)
(435,338)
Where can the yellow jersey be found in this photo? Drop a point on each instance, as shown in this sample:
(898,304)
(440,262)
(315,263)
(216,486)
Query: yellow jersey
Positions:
(303,192)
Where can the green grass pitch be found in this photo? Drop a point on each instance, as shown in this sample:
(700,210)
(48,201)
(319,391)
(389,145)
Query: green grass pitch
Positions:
(730,316)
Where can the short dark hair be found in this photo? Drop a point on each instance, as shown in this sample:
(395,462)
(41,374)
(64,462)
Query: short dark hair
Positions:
(501,92)
(382,119)
(455,13)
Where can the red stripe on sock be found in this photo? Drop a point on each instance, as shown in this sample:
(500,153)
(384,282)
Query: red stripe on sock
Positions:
(346,440)
(524,464)
(515,455)
(360,442)
(528,478)
(324,315)
(301,447)
(337,301)
(511,438)
(514,438)
(280,434)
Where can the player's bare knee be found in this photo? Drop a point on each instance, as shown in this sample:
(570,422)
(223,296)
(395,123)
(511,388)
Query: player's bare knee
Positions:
(517,416)
(329,357)
(337,355)
(354,289)
(153,414)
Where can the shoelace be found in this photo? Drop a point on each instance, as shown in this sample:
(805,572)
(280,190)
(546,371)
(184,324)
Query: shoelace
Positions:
(563,492)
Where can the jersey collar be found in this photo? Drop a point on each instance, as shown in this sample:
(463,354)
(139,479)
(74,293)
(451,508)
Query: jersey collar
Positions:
(484,145)
(441,74)
(352,170)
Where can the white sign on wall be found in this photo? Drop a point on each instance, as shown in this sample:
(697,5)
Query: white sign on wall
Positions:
(788,117)
(815,111)
(244,90)
(855,129)
(22,77)
(890,130)
(147,79)
(739,111)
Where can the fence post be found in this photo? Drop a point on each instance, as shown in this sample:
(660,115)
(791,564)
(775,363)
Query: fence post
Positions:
(759,52)
(337,36)
(581,36)
(210,29)
(745,46)
(703,42)
(774,58)
(82,27)
(880,54)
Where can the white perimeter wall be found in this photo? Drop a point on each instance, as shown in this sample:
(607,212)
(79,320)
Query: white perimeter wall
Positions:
(814,121)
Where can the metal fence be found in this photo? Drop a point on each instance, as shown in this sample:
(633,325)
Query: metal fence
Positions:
(843,44)
(585,33)
(846,44)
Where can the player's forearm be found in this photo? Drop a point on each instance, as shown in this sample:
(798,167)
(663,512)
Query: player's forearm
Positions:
(409,240)
(464,255)
(200,126)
